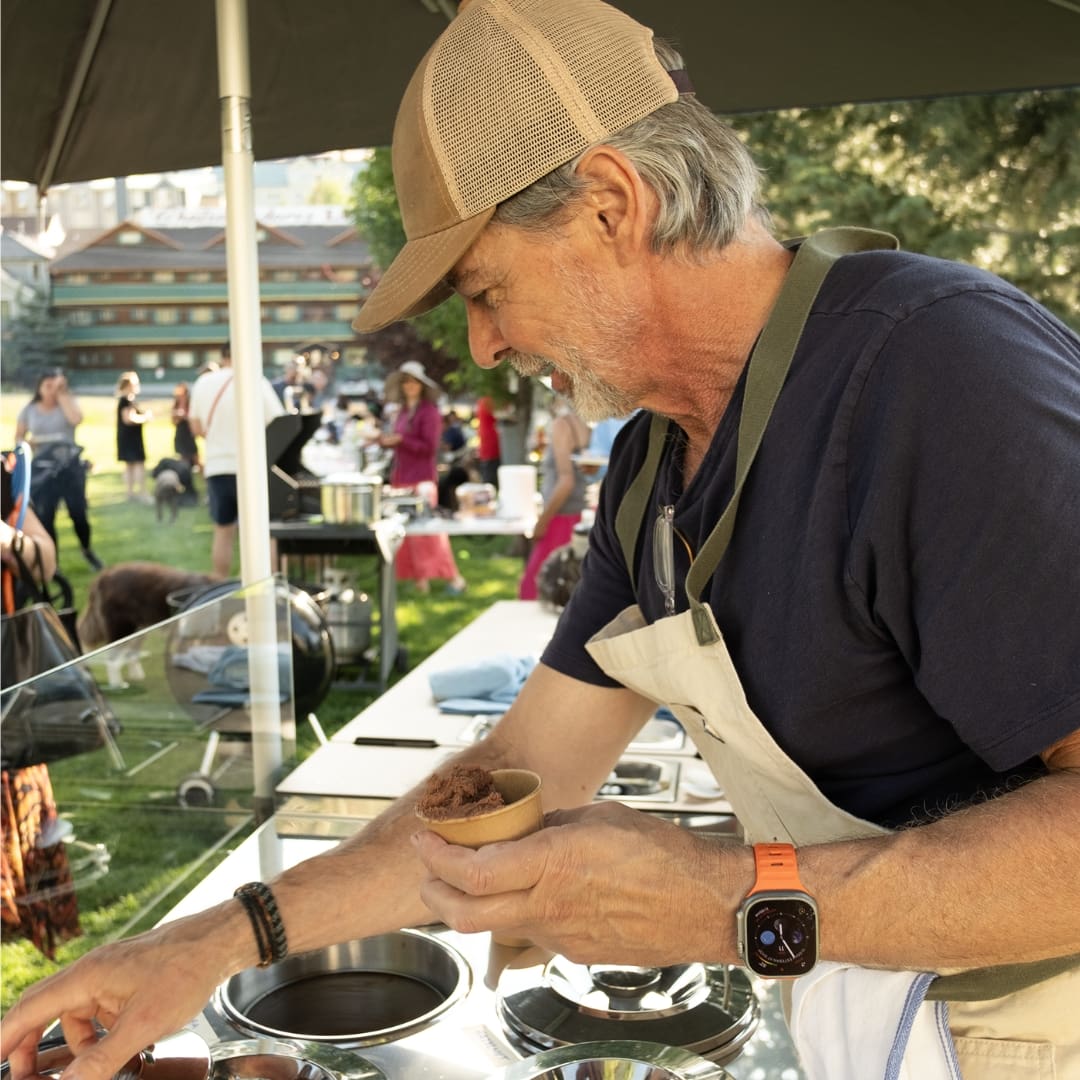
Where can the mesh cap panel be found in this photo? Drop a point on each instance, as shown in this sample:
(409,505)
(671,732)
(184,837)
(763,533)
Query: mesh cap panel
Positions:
(523,86)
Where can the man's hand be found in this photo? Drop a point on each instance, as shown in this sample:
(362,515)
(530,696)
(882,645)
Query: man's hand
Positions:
(602,883)
(121,986)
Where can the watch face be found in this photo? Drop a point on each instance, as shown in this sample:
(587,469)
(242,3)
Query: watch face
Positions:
(781,936)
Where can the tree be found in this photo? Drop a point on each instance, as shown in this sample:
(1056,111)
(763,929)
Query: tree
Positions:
(992,180)
(34,339)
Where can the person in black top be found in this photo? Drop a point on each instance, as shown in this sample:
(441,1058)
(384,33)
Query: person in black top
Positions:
(130,447)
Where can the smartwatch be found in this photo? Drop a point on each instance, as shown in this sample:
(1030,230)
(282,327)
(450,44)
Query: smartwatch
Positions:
(777,921)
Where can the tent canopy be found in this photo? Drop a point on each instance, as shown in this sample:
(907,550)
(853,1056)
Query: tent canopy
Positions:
(95,88)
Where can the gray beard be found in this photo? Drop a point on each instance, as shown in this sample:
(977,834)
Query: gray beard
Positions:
(593,399)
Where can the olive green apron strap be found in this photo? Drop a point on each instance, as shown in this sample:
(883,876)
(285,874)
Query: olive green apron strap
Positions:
(635,502)
(768,368)
(990,983)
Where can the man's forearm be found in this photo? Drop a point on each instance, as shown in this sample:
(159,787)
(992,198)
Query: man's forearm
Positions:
(369,884)
(995,883)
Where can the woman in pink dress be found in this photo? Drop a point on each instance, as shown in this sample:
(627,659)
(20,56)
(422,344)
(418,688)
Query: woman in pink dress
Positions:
(415,441)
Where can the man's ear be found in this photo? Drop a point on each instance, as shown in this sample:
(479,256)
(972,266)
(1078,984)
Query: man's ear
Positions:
(620,207)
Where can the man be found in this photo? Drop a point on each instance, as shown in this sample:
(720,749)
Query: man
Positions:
(896,596)
(213,418)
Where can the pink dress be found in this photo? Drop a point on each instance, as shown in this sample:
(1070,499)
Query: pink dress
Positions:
(420,557)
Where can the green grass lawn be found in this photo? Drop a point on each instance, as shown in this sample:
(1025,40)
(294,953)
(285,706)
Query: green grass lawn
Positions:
(157,852)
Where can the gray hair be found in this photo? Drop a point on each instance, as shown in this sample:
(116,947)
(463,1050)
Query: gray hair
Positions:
(707,182)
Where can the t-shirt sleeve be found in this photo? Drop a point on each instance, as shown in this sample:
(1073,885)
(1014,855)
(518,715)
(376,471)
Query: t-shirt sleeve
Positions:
(964,495)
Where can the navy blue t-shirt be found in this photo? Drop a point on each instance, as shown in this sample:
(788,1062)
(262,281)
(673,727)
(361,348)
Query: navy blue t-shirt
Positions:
(901,596)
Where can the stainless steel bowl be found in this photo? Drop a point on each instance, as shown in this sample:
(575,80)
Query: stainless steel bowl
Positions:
(360,993)
(616,1060)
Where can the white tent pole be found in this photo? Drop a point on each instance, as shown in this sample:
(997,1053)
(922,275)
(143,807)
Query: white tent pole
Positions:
(242,261)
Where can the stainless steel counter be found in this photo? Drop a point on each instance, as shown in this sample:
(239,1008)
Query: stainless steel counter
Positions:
(390,747)
(466,1042)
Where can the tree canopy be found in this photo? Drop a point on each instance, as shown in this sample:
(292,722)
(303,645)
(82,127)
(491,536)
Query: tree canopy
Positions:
(989,180)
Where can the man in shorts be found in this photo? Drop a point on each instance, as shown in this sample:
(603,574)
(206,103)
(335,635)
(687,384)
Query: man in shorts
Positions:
(213,418)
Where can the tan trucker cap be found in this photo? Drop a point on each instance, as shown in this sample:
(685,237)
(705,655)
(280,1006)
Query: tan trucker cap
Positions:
(511,90)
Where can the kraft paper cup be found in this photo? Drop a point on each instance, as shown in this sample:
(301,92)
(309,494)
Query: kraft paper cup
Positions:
(521,815)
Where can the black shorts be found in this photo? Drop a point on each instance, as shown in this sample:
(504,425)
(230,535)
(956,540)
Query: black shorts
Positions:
(222,493)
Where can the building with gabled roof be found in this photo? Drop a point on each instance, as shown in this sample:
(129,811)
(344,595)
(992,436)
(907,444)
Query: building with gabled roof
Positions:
(151,294)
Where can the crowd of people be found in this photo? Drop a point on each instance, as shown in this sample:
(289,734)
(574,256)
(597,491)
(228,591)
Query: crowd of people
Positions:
(431,447)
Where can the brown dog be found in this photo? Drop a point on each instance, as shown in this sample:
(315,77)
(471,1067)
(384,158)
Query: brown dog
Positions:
(129,597)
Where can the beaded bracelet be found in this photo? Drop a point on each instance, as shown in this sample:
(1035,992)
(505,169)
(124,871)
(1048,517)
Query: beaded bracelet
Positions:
(262,910)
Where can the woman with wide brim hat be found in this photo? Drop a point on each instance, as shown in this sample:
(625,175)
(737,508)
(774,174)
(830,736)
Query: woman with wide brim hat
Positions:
(417,429)
(411,369)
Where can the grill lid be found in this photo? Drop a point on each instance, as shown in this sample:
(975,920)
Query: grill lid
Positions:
(708,1009)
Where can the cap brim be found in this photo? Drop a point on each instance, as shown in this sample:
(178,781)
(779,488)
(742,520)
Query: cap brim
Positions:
(415,280)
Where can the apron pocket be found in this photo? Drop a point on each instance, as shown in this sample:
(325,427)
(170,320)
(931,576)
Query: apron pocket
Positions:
(1005,1059)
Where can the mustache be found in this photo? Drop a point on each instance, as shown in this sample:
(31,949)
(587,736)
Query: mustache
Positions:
(530,365)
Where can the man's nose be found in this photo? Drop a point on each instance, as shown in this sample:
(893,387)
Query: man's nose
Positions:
(486,343)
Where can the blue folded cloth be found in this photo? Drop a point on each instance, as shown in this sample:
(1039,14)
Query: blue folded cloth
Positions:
(229,678)
(481,686)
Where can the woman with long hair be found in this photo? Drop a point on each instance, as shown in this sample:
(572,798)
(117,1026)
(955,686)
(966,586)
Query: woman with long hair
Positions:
(58,474)
(130,448)
(185,446)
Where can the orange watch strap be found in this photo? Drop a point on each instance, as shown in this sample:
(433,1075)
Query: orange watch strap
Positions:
(777,869)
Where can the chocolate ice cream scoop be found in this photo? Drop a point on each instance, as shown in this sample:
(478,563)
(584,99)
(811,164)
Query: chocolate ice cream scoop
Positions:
(471,806)
(464,791)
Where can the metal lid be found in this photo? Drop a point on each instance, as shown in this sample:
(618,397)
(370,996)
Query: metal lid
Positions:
(622,1059)
(709,1009)
(278,1059)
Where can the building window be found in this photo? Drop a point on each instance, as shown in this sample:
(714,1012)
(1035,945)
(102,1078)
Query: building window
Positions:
(75,279)
(106,314)
(81,317)
(347,273)
(287,313)
(199,276)
(281,357)
(137,314)
(182,359)
(129,236)
(164,277)
(149,358)
(346,312)
(284,275)
(166,315)
(201,315)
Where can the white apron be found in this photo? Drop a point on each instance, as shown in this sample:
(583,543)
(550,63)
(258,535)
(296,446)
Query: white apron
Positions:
(681,661)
